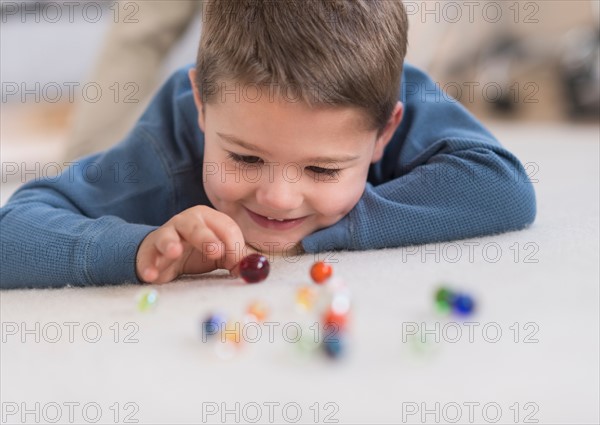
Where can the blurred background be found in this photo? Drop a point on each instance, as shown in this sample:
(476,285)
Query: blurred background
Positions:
(75,76)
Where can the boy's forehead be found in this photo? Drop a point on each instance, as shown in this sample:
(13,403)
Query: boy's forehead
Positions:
(251,107)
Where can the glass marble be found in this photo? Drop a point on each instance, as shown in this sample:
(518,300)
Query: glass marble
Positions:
(444,299)
(423,345)
(213,324)
(147,300)
(308,342)
(232,332)
(258,310)
(463,304)
(338,320)
(305,297)
(254,268)
(333,346)
(340,303)
(320,272)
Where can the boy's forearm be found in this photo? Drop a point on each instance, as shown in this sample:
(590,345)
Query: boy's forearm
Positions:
(457,194)
(63,248)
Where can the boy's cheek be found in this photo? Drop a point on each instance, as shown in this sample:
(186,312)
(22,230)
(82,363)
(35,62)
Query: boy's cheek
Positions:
(224,189)
(338,200)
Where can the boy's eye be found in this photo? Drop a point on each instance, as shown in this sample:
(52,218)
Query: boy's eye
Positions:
(330,172)
(255,160)
(243,159)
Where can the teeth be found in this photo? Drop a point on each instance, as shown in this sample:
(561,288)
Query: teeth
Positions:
(277,219)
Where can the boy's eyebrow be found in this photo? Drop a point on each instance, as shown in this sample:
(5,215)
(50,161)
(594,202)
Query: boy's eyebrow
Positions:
(251,147)
(232,139)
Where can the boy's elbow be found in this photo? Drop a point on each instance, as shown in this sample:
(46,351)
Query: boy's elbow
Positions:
(524,206)
(505,189)
(518,197)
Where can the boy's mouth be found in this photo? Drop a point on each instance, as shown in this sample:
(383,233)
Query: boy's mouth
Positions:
(274,223)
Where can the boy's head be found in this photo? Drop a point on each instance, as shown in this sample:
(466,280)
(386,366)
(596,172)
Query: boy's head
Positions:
(295,100)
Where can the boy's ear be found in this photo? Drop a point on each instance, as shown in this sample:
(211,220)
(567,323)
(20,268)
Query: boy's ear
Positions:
(387,133)
(197,101)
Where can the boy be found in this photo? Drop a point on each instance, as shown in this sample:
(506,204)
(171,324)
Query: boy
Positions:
(292,133)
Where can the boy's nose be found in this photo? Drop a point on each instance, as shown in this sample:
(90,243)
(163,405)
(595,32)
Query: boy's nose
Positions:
(280,195)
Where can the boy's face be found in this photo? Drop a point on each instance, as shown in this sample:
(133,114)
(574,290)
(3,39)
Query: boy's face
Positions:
(270,158)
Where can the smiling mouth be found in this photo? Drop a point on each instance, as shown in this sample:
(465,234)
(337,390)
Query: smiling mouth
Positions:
(273,222)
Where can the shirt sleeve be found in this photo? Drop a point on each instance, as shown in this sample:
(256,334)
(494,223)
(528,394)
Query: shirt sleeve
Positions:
(443,177)
(83,226)
(463,189)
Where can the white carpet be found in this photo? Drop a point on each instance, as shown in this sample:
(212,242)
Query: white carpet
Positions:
(542,281)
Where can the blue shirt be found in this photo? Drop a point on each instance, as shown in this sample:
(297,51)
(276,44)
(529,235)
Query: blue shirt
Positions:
(442,177)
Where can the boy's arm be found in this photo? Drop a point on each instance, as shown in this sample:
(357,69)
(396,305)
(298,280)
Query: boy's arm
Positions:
(79,227)
(84,226)
(443,177)
(465,189)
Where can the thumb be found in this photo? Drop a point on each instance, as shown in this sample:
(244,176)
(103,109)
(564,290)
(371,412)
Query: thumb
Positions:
(235,271)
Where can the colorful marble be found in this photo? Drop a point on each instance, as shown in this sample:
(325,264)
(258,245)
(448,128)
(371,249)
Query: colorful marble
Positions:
(444,299)
(258,311)
(213,324)
(306,297)
(339,320)
(340,302)
(147,300)
(320,272)
(254,268)
(232,332)
(448,301)
(423,346)
(463,304)
(333,346)
(307,343)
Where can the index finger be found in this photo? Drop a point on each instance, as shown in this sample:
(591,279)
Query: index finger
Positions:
(228,231)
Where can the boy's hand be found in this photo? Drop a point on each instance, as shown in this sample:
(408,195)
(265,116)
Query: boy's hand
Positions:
(197,240)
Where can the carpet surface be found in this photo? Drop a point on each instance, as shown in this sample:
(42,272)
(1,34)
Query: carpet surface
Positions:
(530,351)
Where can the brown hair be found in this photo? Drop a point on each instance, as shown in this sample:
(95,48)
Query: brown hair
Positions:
(332,52)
